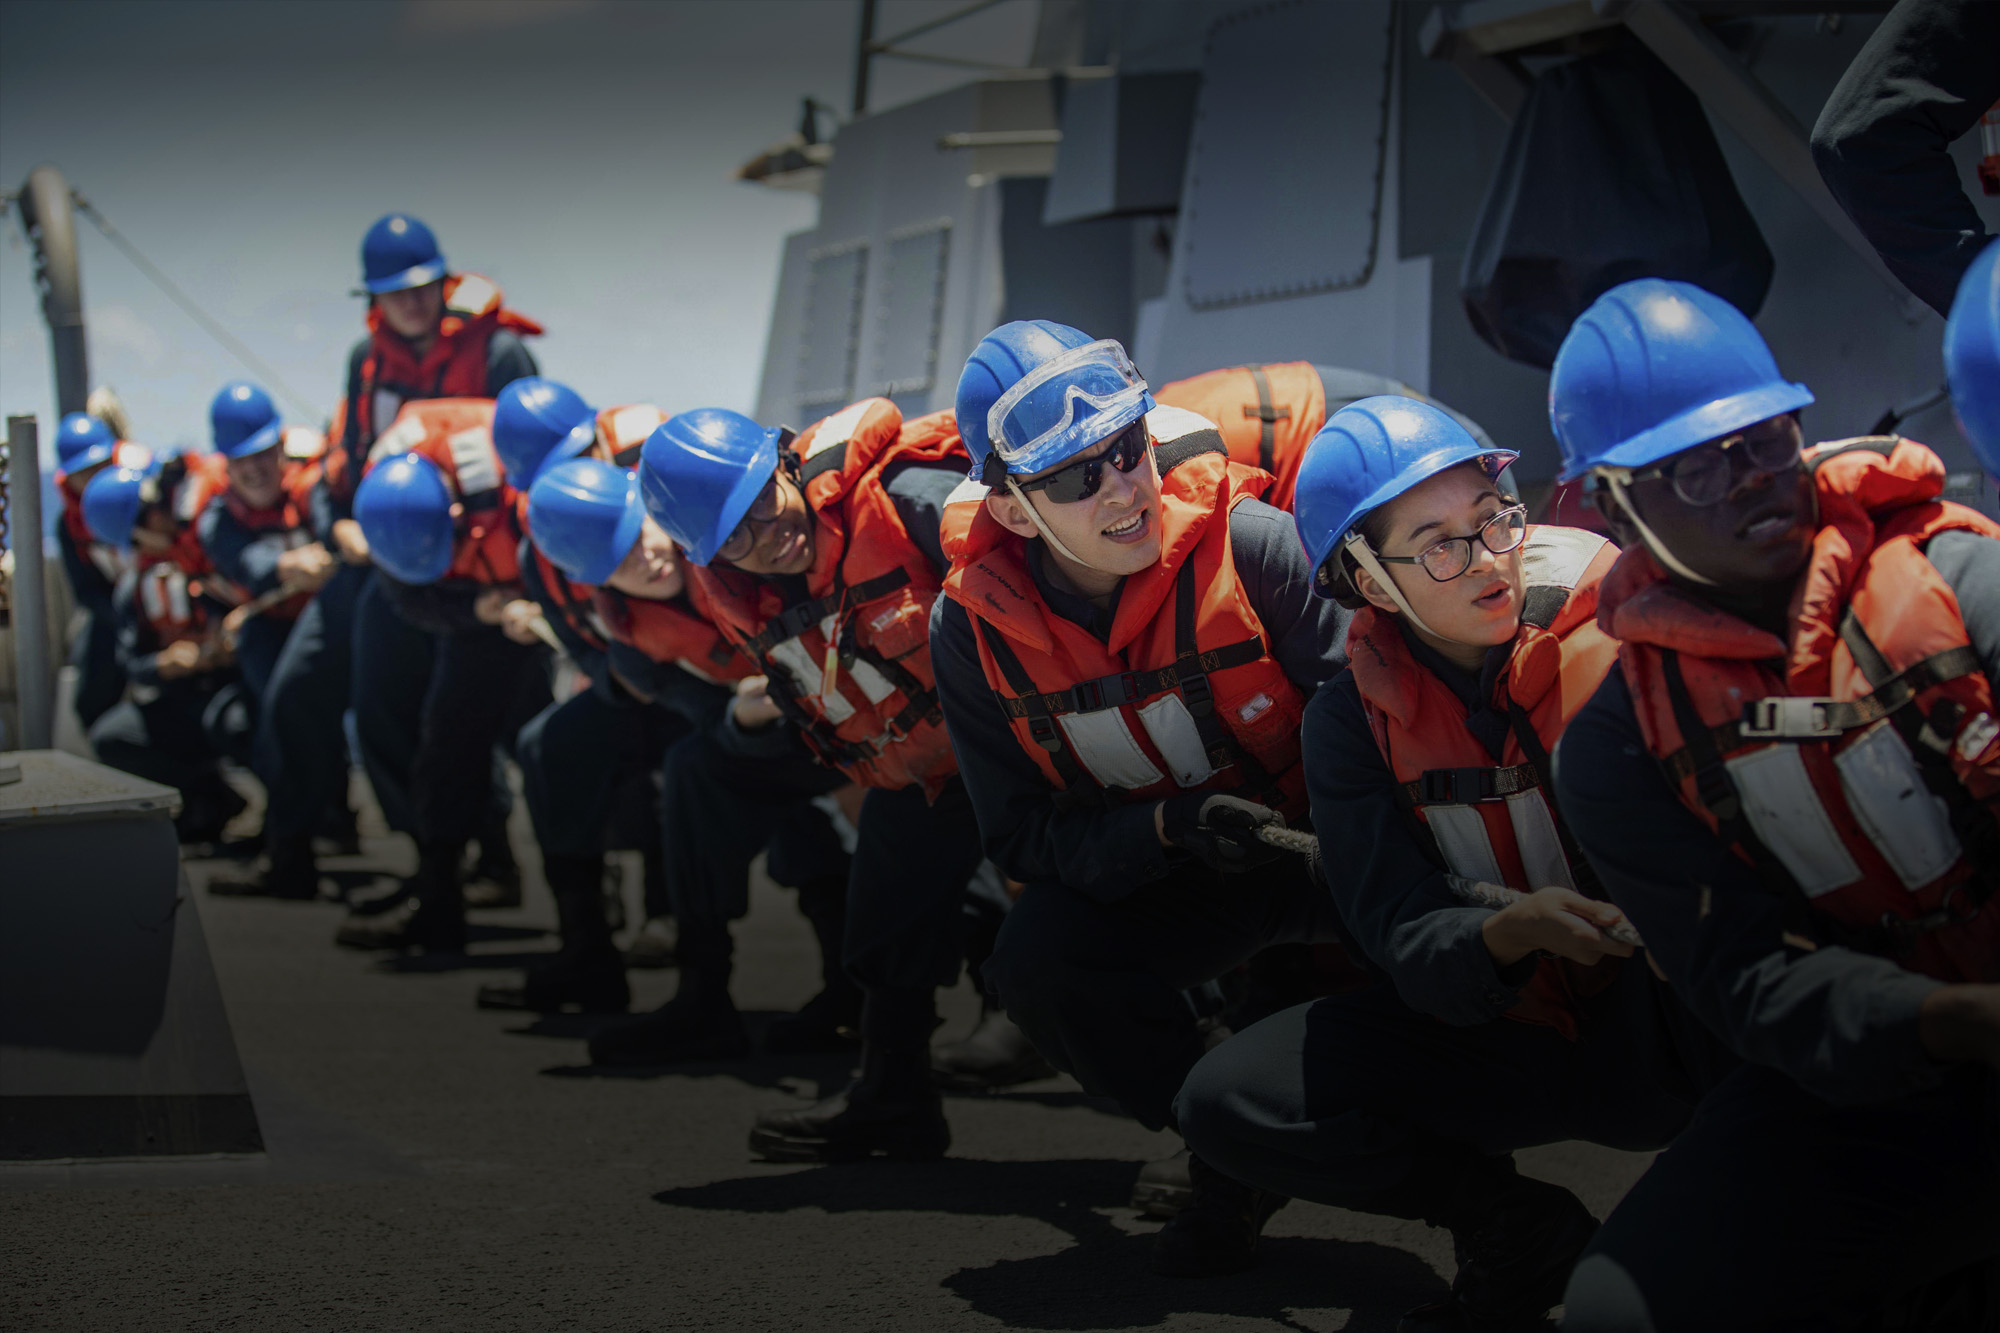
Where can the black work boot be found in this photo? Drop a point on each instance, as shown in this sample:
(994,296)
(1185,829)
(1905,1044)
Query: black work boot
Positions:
(495,878)
(434,924)
(891,1110)
(1163,1187)
(830,1020)
(995,1055)
(699,1023)
(1216,1231)
(586,972)
(286,871)
(1516,1240)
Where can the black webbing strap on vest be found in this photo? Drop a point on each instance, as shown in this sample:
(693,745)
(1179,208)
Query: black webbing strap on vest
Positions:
(629,456)
(1717,792)
(830,459)
(1581,872)
(1193,668)
(1079,787)
(1267,416)
(1469,786)
(796,620)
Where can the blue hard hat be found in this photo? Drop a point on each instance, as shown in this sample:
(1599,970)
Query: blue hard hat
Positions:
(585,516)
(243,420)
(1655,367)
(404,508)
(537,423)
(700,471)
(83,441)
(399,252)
(1367,454)
(111,504)
(1035,392)
(1972,356)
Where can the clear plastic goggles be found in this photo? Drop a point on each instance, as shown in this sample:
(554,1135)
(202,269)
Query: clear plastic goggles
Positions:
(1064,405)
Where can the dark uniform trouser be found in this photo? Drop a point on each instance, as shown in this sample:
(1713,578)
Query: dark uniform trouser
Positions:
(1775,1210)
(162,740)
(258,645)
(1097,987)
(575,758)
(100,681)
(905,926)
(301,750)
(1343,1101)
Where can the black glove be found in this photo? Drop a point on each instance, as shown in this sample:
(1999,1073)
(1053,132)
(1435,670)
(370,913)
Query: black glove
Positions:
(1220,830)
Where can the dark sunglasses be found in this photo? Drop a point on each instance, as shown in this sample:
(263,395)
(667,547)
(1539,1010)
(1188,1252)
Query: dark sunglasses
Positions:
(1703,475)
(770,503)
(1080,480)
(1446,560)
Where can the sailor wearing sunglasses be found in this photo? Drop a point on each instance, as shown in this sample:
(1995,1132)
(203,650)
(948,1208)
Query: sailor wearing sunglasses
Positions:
(1123,651)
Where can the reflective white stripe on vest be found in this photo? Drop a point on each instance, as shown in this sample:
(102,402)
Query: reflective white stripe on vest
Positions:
(872,682)
(472,295)
(401,437)
(839,428)
(302,443)
(1461,835)
(1785,813)
(107,559)
(806,677)
(165,598)
(1178,740)
(1536,839)
(1908,824)
(1557,557)
(1105,746)
(472,457)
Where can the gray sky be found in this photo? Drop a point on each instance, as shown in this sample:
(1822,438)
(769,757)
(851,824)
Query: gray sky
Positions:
(578,152)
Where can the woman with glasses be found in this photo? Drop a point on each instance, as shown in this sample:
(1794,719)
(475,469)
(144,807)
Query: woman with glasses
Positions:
(1492,1028)
(1792,784)
(1124,646)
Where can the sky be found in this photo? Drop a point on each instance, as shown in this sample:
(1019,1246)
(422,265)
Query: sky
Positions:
(578,152)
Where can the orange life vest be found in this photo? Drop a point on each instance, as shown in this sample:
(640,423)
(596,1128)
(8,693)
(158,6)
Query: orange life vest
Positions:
(1854,766)
(1184,692)
(1267,415)
(573,600)
(1493,821)
(851,664)
(622,432)
(670,632)
(457,435)
(453,366)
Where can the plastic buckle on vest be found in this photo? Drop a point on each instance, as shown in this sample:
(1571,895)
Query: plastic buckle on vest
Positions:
(1455,786)
(1200,699)
(1086,697)
(1788,718)
(1044,732)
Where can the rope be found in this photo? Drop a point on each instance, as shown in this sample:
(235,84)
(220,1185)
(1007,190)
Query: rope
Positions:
(1471,892)
(229,341)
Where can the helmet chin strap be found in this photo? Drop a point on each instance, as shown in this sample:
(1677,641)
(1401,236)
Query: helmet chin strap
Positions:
(1357,546)
(1035,517)
(1659,548)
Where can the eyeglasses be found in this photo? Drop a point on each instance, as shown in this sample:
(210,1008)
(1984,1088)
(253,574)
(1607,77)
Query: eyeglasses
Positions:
(770,503)
(1446,560)
(1081,479)
(1703,475)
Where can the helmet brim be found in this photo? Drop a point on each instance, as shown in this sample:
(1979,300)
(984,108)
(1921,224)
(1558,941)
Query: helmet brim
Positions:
(741,496)
(418,275)
(622,540)
(1709,421)
(266,437)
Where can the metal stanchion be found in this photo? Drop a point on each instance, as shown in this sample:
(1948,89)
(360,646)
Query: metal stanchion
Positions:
(33,673)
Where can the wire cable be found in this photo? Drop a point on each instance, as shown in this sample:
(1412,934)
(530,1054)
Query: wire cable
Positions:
(214,328)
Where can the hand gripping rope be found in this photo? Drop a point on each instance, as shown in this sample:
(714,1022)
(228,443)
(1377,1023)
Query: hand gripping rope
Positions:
(1471,892)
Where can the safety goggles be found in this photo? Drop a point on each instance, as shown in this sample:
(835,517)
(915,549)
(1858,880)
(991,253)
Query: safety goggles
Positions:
(1050,411)
(770,503)
(1703,475)
(1081,479)
(1447,559)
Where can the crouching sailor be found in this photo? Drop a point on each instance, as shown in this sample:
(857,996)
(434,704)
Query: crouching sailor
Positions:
(1124,649)
(819,558)
(1490,1030)
(1792,785)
